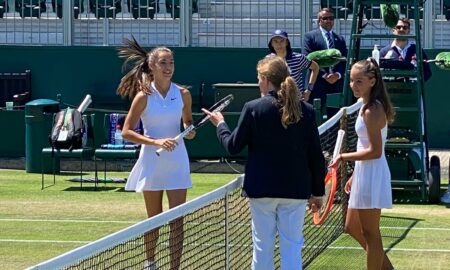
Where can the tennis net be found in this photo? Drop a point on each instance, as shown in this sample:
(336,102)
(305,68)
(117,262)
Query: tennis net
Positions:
(212,231)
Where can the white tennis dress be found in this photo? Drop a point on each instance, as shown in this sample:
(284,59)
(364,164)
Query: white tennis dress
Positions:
(161,119)
(371,185)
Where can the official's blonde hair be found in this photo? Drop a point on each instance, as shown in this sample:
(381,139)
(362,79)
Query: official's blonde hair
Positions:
(276,71)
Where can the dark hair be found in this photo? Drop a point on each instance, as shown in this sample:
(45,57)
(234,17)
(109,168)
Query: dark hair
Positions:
(405,21)
(140,74)
(378,92)
(276,71)
(329,10)
(280,33)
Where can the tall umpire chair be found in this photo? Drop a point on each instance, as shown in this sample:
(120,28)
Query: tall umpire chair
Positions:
(84,153)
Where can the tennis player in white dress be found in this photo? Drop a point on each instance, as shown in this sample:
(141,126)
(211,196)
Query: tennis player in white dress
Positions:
(162,106)
(161,119)
(370,184)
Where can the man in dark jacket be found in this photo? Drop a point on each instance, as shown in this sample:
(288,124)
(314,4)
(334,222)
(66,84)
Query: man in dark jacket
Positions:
(330,80)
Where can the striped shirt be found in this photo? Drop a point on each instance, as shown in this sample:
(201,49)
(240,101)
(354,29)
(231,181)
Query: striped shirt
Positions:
(297,62)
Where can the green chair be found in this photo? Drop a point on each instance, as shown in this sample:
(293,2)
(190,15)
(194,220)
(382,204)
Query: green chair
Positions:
(372,12)
(341,8)
(173,7)
(105,8)
(144,8)
(2,7)
(85,153)
(446,9)
(30,8)
(106,154)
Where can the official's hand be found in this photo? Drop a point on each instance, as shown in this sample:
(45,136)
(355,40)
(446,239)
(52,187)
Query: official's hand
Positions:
(214,117)
(168,144)
(306,94)
(190,135)
(332,78)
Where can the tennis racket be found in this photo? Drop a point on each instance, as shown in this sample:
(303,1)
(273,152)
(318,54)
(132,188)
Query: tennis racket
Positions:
(217,107)
(330,184)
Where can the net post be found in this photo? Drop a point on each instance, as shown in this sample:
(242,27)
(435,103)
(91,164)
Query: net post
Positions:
(343,170)
(227,233)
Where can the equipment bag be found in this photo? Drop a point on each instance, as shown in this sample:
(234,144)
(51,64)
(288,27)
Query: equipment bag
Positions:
(68,129)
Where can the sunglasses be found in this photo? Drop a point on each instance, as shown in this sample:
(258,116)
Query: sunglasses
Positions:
(404,27)
(329,18)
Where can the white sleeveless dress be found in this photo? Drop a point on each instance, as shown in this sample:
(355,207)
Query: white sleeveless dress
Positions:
(371,185)
(161,119)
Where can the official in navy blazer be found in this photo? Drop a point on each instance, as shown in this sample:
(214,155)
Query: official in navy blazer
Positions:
(285,169)
(329,80)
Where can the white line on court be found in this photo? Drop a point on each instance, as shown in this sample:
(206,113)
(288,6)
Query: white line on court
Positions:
(68,220)
(44,241)
(135,221)
(398,249)
(330,247)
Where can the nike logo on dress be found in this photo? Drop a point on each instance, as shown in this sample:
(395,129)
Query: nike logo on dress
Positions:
(173,98)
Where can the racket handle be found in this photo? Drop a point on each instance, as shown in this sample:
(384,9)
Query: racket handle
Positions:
(177,138)
(86,102)
(339,139)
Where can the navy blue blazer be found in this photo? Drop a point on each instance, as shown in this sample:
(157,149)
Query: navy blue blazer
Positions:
(282,163)
(410,53)
(314,41)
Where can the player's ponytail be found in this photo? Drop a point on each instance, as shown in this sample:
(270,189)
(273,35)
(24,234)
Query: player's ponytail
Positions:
(276,71)
(289,100)
(140,74)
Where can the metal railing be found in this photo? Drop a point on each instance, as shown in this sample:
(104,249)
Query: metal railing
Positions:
(197,23)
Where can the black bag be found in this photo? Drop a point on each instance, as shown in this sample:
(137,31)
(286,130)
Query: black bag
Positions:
(67,130)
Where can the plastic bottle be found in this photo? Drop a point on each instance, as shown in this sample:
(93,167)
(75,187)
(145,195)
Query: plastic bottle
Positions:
(118,140)
(376,54)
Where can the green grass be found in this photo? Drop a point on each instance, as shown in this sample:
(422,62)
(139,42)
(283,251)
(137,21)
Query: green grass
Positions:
(33,221)
(29,213)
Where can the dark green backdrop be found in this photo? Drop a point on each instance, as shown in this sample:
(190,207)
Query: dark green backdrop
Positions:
(77,71)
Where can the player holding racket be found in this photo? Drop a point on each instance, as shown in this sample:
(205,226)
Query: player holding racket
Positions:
(160,104)
(285,166)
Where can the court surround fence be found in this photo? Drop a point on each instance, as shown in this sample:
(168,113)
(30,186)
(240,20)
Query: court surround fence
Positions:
(196,23)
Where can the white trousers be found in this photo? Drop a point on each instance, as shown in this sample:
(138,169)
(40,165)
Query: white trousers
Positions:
(286,216)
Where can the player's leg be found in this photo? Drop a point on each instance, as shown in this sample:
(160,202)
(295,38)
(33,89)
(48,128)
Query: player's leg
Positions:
(153,205)
(176,197)
(370,225)
(353,228)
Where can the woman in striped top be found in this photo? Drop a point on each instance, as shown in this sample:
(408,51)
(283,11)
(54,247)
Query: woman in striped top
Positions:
(280,45)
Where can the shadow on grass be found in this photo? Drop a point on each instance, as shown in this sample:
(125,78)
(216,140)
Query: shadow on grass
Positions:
(345,253)
(91,188)
(405,196)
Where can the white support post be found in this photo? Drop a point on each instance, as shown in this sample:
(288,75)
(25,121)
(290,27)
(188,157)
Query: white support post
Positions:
(125,11)
(428,40)
(67,17)
(185,23)
(11,10)
(49,12)
(86,14)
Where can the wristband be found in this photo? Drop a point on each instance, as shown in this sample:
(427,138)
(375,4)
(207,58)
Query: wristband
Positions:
(310,86)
